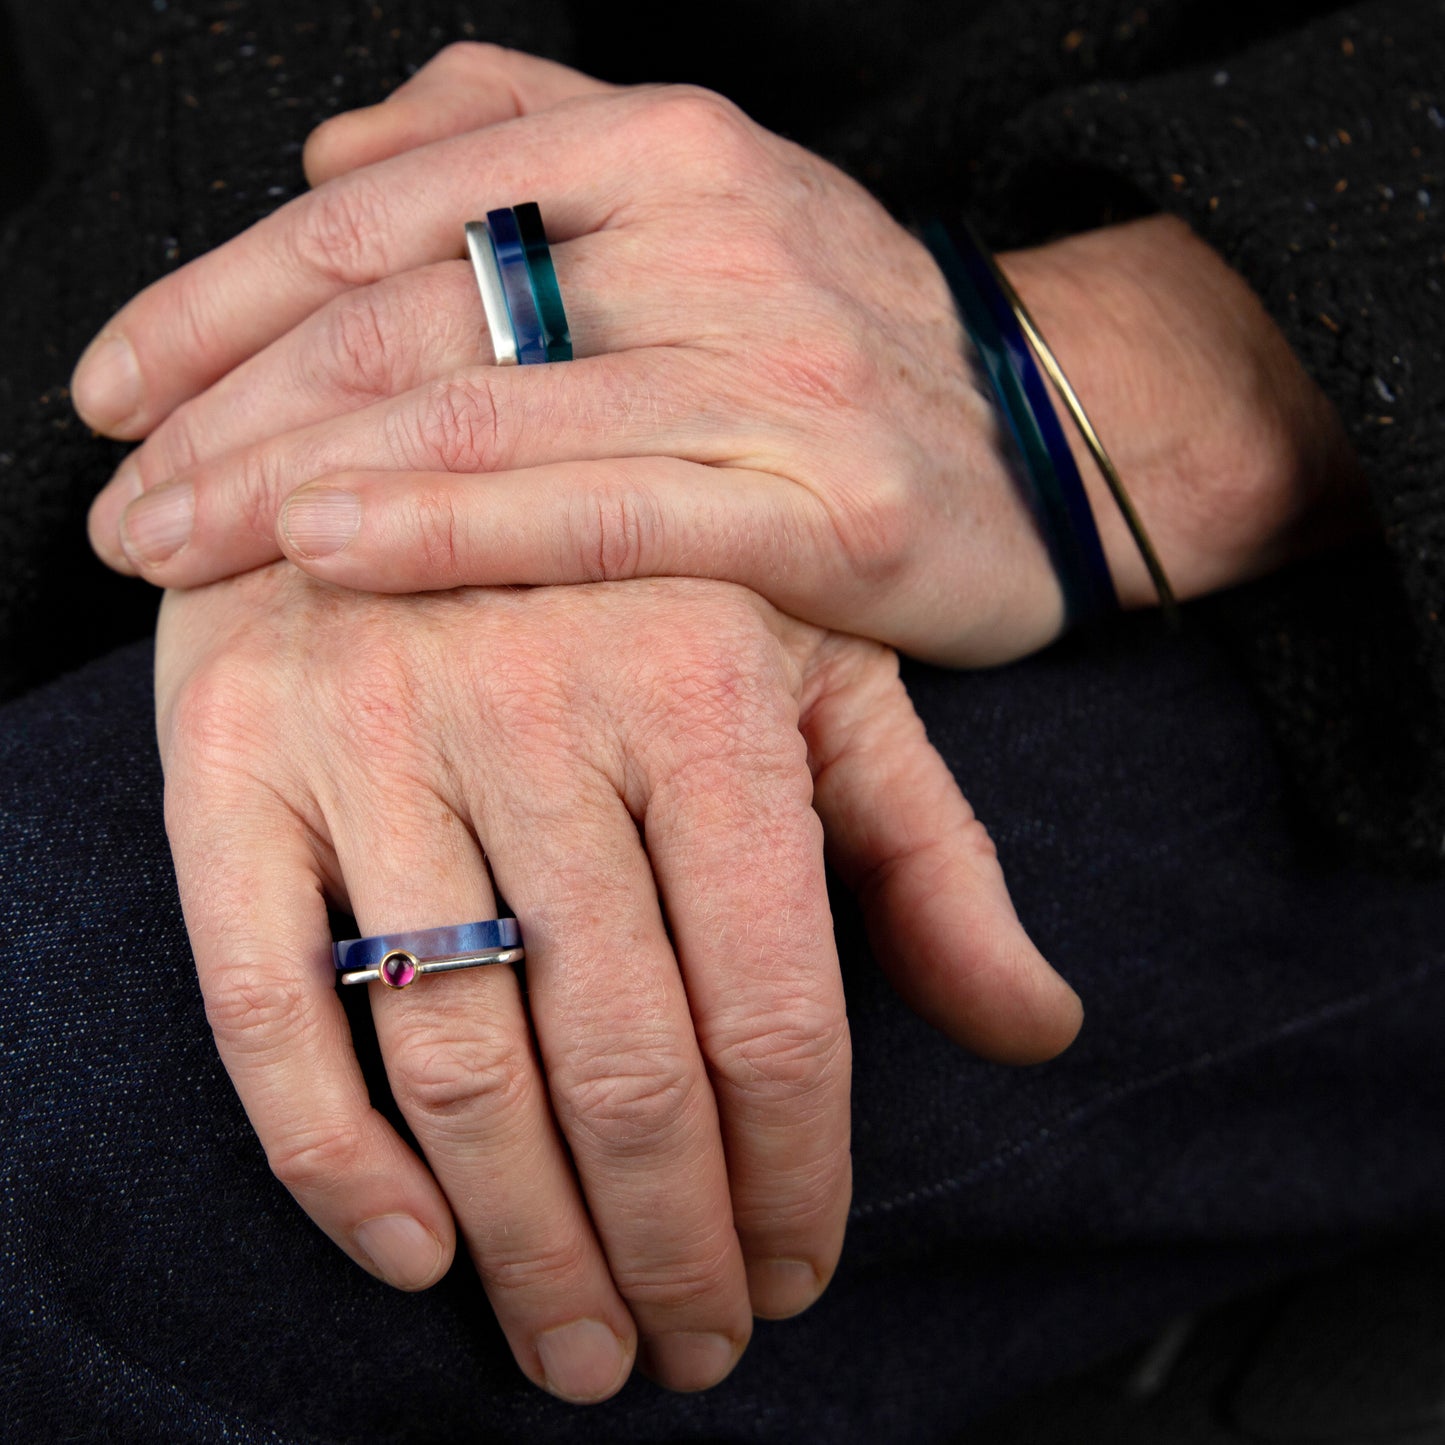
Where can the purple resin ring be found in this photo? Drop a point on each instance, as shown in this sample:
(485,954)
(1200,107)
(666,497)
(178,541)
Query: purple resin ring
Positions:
(398,959)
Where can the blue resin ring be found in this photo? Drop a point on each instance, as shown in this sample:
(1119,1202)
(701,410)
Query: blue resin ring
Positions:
(511,253)
(399,959)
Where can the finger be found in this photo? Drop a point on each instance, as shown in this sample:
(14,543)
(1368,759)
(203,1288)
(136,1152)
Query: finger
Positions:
(627,1081)
(464,87)
(926,872)
(738,852)
(370,344)
(590,521)
(186,330)
(257,919)
(373,342)
(220,517)
(459,1056)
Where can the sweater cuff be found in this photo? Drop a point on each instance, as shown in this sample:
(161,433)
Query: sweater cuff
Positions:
(1315,166)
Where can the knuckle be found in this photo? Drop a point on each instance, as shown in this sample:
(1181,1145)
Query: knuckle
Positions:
(253,486)
(389,718)
(356,330)
(169,450)
(319,1160)
(195,316)
(450,1081)
(682,1282)
(624,1105)
(212,715)
(836,371)
(340,232)
(456,426)
(437,535)
(615,531)
(874,524)
(469,59)
(802,1046)
(516,1262)
(714,696)
(708,127)
(253,1010)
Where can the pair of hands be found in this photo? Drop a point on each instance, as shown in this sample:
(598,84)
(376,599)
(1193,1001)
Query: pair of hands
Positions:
(771,390)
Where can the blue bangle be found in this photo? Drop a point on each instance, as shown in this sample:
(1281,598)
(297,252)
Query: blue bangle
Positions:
(1061,504)
(517,283)
(399,958)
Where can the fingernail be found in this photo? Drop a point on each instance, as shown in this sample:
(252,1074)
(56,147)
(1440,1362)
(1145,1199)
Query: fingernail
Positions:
(106,386)
(406,1252)
(781,1287)
(105,513)
(690,1359)
(318,521)
(158,525)
(582,1361)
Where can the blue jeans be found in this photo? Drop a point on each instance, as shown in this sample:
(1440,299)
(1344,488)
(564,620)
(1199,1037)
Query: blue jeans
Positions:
(1258,1082)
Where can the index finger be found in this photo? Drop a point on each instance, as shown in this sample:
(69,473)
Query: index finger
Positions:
(253,904)
(466,86)
(183,332)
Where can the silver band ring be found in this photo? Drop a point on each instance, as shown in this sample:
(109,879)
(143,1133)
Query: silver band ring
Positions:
(400,968)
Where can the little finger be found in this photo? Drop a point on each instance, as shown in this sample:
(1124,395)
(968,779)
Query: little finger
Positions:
(586,521)
(926,871)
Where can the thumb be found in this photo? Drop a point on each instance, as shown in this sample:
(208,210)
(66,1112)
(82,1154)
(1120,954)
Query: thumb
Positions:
(902,835)
(462,88)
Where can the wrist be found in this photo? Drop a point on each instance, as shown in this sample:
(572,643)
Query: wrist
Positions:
(1234,458)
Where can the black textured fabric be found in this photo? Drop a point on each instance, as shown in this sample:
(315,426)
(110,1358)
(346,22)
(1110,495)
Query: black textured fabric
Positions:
(1351,1355)
(1257,1087)
(1306,144)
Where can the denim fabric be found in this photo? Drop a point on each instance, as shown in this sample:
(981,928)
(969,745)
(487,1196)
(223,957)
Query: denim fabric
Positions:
(1258,1082)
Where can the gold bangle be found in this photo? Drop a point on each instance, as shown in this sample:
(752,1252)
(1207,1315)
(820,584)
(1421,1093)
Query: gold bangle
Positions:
(1167,603)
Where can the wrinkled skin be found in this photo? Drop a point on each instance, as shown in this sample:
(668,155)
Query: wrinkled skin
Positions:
(772,390)
(633,767)
(773,385)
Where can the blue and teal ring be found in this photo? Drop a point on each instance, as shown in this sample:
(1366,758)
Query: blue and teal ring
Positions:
(518,283)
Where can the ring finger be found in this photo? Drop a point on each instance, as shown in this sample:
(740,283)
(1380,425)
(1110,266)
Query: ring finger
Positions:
(627,1078)
(377,342)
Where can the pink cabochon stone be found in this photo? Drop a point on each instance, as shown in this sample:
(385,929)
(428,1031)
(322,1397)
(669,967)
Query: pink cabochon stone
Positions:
(397,970)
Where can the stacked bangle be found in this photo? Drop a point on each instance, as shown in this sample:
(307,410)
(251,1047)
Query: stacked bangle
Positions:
(997,324)
(518,282)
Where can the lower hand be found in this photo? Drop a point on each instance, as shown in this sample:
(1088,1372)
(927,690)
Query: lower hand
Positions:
(635,768)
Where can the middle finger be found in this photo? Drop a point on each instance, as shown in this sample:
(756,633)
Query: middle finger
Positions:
(459,1058)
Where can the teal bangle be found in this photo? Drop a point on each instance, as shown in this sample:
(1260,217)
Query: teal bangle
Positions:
(555,332)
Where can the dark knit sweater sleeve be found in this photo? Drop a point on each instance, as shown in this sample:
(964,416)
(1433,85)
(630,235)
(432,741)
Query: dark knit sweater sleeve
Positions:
(1315,165)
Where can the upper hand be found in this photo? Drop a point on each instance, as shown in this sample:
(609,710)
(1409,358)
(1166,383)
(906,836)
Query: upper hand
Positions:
(770,386)
(773,387)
